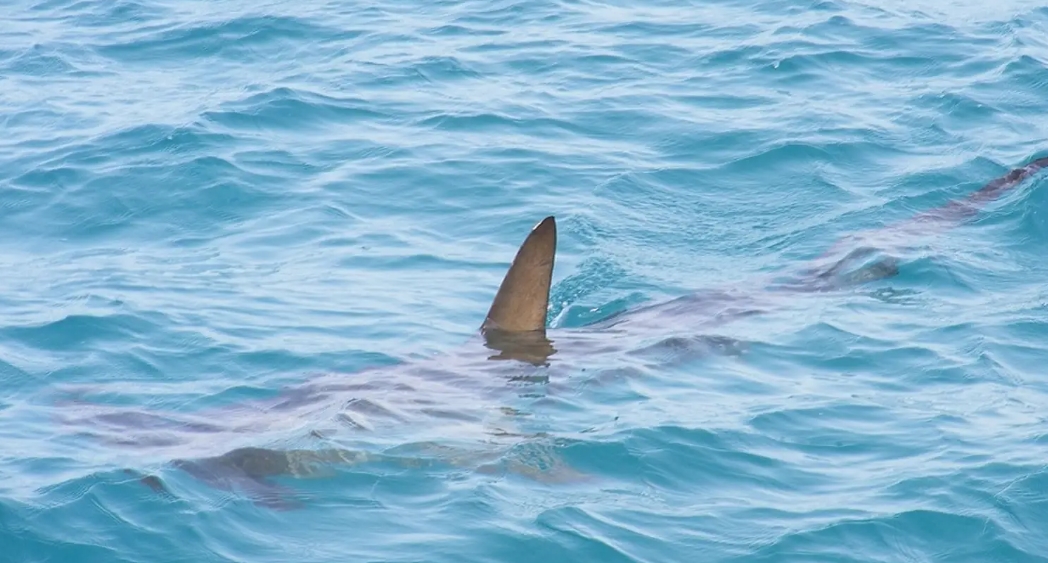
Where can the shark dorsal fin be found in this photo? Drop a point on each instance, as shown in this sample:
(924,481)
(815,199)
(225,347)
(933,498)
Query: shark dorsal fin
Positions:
(523,298)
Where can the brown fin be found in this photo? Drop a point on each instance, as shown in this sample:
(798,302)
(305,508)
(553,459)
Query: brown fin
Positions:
(523,298)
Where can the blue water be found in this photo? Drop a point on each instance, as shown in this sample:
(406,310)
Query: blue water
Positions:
(206,202)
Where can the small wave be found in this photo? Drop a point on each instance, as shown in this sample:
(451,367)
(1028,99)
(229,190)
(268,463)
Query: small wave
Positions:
(239,38)
(285,108)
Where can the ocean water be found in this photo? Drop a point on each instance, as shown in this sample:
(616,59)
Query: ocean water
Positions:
(205,204)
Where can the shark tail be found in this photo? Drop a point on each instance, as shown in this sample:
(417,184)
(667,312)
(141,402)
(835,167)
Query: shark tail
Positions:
(948,215)
(964,208)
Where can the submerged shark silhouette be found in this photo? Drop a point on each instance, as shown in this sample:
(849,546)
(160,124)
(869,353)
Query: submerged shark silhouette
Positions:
(446,388)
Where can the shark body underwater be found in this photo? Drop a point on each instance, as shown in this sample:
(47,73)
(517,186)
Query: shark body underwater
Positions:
(450,388)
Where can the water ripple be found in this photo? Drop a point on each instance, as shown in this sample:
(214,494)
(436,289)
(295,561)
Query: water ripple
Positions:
(208,205)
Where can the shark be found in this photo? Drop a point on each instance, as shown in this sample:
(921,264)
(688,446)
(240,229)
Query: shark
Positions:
(457,394)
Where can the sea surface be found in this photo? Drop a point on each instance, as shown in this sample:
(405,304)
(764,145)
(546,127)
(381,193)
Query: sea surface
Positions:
(204,204)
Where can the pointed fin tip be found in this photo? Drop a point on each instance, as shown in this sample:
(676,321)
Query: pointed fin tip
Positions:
(523,298)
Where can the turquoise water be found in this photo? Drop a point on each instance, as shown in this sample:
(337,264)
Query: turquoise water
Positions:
(205,203)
